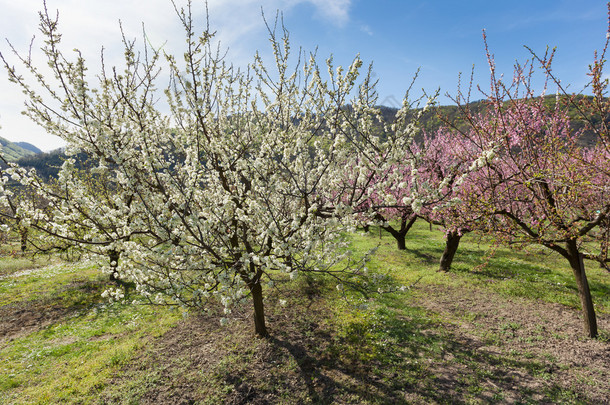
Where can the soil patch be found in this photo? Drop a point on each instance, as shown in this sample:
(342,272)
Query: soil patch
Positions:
(549,334)
(482,349)
(24,317)
(201,362)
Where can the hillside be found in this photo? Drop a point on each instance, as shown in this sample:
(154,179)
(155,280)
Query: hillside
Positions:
(47,164)
(28,146)
(431,120)
(14,151)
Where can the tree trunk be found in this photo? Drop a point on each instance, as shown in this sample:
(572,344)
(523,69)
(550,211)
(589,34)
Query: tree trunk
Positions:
(259,311)
(24,239)
(407,223)
(400,235)
(113,257)
(578,268)
(451,246)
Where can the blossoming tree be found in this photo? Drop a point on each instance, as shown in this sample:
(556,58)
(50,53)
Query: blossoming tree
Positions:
(539,185)
(419,178)
(444,163)
(220,191)
(383,206)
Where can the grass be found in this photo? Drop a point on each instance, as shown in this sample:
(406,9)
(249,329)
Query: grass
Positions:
(73,359)
(80,340)
(535,274)
(13,261)
(456,337)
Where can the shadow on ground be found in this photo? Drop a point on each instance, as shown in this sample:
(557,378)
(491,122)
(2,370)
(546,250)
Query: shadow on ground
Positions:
(381,358)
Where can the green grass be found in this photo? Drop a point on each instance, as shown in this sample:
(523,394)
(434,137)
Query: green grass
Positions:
(74,356)
(326,345)
(46,282)
(12,260)
(535,274)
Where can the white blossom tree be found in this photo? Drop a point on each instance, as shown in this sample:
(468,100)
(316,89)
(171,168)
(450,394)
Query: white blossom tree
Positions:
(218,191)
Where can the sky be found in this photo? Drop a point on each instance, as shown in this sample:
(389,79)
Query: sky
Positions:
(441,38)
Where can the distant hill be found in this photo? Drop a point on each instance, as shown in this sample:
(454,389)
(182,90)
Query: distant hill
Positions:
(430,121)
(47,164)
(28,146)
(13,151)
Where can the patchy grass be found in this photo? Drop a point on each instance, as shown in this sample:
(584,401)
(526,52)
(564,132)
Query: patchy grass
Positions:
(506,332)
(59,341)
(536,273)
(13,260)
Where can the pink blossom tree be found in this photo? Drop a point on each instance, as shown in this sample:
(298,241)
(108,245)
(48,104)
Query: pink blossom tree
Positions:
(385,208)
(411,179)
(443,163)
(538,184)
(377,181)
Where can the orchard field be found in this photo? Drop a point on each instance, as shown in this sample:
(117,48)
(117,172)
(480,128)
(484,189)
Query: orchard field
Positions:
(273,235)
(501,329)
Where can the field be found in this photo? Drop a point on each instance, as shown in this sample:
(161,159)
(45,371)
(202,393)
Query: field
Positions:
(501,328)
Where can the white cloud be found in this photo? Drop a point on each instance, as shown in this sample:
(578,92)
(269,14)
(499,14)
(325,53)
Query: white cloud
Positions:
(366,29)
(334,10)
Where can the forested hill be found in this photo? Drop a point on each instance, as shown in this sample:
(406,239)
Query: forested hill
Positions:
(431,120)
(14,151)
(47,164)
(28,146)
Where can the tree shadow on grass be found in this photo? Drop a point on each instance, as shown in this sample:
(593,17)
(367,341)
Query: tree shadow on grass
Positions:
(23,317)
(389,360)
(386,356)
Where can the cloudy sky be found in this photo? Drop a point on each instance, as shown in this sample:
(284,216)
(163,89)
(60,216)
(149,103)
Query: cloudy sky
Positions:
(441,37)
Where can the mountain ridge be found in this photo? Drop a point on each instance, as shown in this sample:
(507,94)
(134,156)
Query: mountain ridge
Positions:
(47,164)
(13,151)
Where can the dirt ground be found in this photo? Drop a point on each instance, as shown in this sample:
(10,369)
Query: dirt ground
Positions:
(519,349)
(25,317)
(492,343)
(551,333)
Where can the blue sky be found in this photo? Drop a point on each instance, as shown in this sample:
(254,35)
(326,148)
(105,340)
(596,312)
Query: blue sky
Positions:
(442,38)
